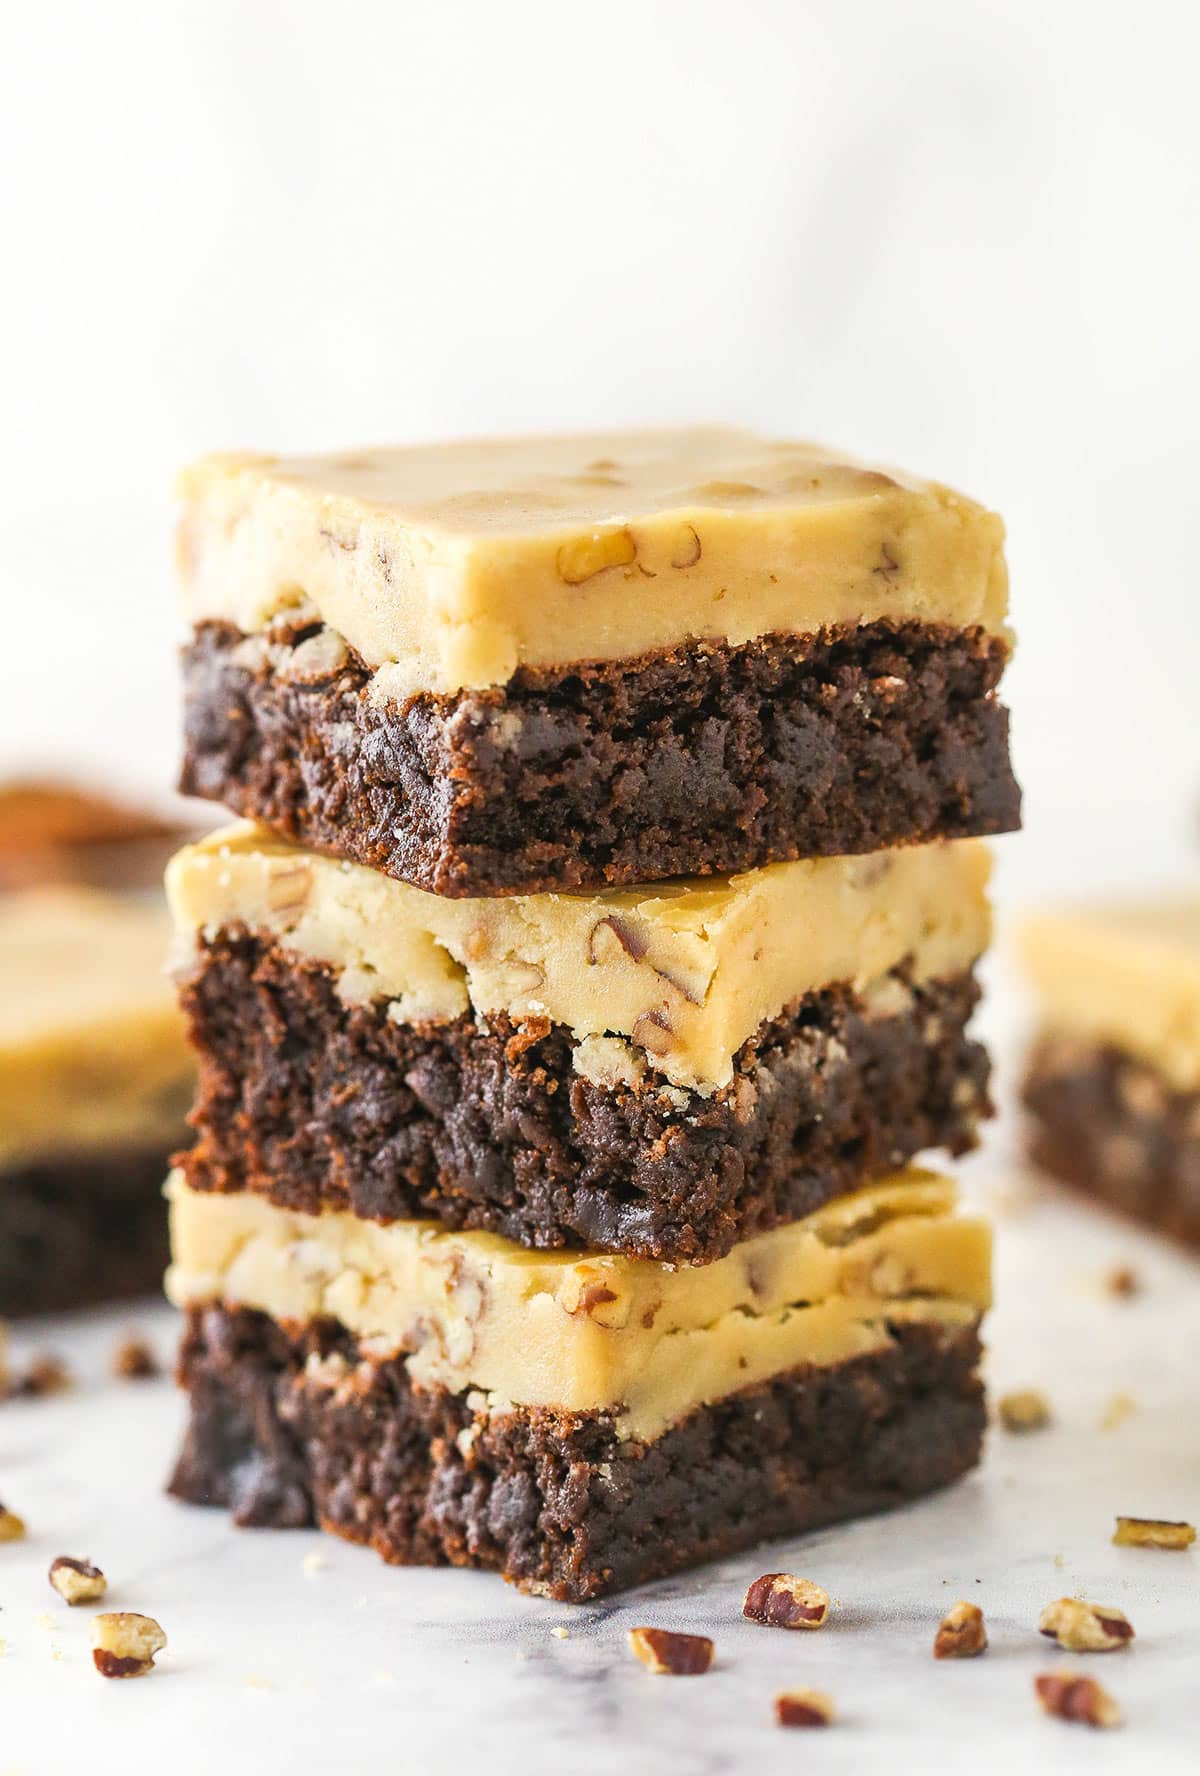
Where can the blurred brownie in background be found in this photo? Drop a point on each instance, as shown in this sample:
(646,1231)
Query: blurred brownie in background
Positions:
(1112,1086)
(60,832)
(95,1082)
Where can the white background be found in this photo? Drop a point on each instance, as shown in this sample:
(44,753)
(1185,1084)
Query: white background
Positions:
(961,236)
(957,234)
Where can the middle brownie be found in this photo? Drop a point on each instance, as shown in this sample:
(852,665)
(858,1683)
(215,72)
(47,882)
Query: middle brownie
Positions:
(662,1072)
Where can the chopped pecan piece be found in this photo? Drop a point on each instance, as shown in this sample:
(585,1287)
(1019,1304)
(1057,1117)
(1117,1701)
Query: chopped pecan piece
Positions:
(77,1581)
(671,1655)
(12,1527)
(961,1633)
(581,557)
(803,1708)
(653,1032)
(686,552)
(780,1600)
(133,1360)
(1152,1532)
(124,1643)
(612,937)
(45,1375)
(1072,1698)
(1028,1410)
(1085,1627)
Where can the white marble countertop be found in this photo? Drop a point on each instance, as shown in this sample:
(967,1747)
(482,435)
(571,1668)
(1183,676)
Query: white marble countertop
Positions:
(355,1666)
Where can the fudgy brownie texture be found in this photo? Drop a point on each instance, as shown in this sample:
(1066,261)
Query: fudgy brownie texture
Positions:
(292,1427)
(690,761)
(313,1102)
(76,1231)
(1112,1127)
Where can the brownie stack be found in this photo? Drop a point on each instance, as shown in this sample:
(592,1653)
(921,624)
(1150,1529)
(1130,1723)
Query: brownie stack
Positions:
(595,955)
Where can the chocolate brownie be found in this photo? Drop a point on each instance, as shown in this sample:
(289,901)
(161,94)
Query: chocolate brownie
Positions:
(75,1231)
(485,1123)
(1111,1126)
(705,757)
(291,1426)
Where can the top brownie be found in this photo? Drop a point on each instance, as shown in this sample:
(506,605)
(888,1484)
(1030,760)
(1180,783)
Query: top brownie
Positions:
(518,665)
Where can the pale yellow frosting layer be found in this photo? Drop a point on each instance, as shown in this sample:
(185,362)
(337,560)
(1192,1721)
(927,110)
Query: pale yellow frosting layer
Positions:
(92,1045)
(645,1340)
(450,565)
(1128,974)
(683,971)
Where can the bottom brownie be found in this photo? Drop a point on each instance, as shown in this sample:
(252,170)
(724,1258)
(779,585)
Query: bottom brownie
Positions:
(291,1426)
(1111,1126)
(82,1229)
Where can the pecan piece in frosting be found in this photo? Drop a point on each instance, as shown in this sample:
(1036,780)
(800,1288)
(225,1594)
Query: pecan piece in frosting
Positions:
(581,557)
(288,887)
(780,1600)
(652,1031)
(612,937)
(686,551)
(671,1655)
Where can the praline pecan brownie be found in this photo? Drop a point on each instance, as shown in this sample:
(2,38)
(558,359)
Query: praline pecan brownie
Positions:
(513,665)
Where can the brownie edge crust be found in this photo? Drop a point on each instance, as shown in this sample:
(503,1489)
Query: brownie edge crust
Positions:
(316,1103)
(291,1426)
(691,761)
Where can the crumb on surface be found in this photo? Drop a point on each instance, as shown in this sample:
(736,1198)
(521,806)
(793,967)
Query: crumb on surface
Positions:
(1152,1532)
(1027,1409)
(1118,1409)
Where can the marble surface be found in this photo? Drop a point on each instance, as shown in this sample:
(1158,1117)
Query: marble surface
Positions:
(291,1652)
